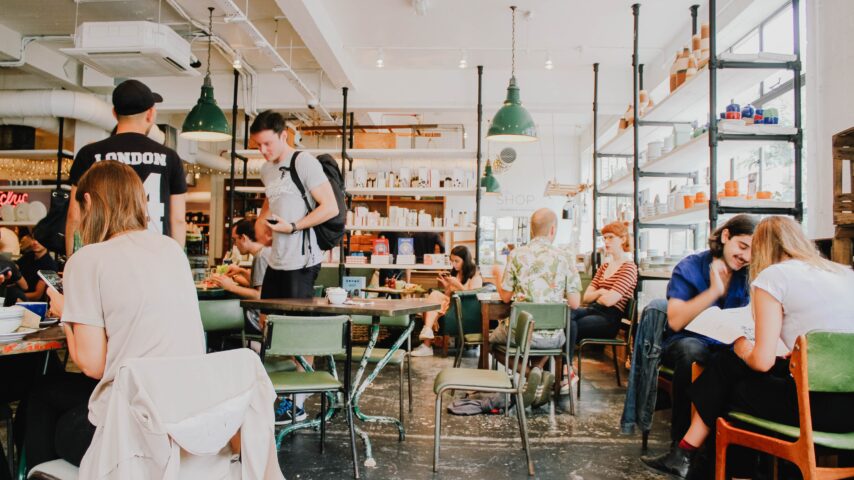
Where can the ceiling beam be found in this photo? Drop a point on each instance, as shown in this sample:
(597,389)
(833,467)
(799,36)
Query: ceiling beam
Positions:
(41,60)
(315,27)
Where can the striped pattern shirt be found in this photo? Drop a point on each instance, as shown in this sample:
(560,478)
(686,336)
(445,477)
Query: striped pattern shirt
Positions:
(623,281)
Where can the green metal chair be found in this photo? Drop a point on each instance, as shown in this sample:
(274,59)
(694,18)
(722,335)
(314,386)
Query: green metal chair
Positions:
(489,381)
(463,316)
(820,362)
(399,358)
(222,316)
(627,325)
(318,336)
(550,316)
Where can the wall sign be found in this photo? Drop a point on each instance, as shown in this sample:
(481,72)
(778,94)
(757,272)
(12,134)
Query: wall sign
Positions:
(13,198)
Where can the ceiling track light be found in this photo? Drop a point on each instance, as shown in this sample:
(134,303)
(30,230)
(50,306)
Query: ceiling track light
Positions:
(380,59)
(463,60)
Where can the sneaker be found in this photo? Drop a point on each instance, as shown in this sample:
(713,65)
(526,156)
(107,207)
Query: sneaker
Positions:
(283,413)
(422,351)
(534,382)
(426,334)
(564,384)
(544,390)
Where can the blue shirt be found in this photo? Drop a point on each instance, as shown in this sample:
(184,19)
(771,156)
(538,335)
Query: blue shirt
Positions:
(691,278)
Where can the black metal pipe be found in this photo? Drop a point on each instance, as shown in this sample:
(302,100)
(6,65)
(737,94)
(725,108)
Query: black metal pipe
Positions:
(757,65)
(665,175)
(640,74)
(636,141)
(341,256)
(477,175)
(593,259)
(59,154)
(713,118)
(233,159)
(245,160)
(615,155)
(694,9)
(352,135)
(614,195)
(799,144)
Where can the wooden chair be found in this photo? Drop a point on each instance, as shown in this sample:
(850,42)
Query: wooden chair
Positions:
(819,363)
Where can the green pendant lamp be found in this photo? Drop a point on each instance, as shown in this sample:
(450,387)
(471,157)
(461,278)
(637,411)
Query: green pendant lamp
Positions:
(512,122)
(206,121)
(488,182)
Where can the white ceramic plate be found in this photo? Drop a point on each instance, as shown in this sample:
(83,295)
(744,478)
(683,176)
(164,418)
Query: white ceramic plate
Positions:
(14,336)
(8,213)
(22,212)
(37,211)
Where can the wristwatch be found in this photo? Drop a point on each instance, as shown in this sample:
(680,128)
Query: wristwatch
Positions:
(294,228)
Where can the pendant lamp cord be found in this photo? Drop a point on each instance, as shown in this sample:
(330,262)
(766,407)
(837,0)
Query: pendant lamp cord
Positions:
(210,35)
(513,64)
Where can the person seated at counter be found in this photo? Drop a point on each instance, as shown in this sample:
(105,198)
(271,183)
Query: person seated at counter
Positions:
(538,272)
(463,276)
(715,277)
(244,239)
(608,294)
(129,293)
(36,257)
(794,290)
(14,284)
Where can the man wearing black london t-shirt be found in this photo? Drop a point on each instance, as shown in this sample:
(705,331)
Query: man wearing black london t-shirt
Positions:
(158,166)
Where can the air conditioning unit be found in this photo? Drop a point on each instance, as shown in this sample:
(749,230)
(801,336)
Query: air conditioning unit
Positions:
(132,49)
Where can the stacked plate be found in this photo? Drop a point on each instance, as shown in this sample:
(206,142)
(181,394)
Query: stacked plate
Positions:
(10,320)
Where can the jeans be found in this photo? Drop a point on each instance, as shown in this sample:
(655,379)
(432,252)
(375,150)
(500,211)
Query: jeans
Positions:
(593,322)
(643,376)
(679,354)
(57,424)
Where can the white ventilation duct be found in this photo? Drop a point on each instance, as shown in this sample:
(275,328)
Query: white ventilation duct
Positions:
(84,107)
(48,124)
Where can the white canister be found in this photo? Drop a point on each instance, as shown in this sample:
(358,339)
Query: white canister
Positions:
(653,150)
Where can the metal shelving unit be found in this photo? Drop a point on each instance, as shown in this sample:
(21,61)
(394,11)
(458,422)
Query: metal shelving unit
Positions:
(725,78)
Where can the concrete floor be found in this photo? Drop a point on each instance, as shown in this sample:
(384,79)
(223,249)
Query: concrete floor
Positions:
(587,446)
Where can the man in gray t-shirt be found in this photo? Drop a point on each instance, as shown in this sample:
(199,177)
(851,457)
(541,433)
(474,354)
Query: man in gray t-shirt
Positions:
(295,257)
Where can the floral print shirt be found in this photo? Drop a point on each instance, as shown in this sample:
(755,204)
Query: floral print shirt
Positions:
(540,272)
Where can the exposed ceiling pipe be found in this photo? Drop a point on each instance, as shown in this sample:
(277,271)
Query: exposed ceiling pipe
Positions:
(22,57)
(236,16)
(84,107)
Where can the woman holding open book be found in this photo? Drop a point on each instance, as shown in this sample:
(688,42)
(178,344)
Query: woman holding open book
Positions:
(793,291)
(463,276)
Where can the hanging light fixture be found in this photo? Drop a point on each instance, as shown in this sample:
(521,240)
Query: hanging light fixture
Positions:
(206,122)
(512,123)
(488,182)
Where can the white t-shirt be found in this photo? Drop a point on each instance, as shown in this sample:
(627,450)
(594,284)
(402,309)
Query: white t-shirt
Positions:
(286,202)
(812,298)
(138,287)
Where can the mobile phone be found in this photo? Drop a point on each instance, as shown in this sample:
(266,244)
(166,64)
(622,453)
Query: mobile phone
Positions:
(5,270)
(272,221)
(52,279)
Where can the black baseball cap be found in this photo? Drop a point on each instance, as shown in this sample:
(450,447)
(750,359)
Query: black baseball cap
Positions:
(132,96)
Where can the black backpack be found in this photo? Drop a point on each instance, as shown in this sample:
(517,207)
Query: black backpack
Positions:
(50,231)
(330,232)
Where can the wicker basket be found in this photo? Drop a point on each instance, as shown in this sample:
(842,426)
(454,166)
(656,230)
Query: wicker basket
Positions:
(362,333)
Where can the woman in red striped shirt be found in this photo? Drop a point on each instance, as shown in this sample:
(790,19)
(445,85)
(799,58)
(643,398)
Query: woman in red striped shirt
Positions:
(609,292)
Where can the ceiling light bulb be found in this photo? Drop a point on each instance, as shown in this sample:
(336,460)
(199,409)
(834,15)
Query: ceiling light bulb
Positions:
(237,64)
(464,59)
(549,64)
(380,59)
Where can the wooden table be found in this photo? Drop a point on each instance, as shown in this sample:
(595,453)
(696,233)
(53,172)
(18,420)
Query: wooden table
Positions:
(51,338)
(376,308)
(491,308)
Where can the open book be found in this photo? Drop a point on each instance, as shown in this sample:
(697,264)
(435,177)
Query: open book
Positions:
(726,326)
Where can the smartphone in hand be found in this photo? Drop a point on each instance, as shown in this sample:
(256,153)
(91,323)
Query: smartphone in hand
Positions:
(272,221)
(52,279)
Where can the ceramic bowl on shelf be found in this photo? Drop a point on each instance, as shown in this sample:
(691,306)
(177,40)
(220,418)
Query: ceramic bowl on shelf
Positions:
(38,211)
(7,212)
(22,212)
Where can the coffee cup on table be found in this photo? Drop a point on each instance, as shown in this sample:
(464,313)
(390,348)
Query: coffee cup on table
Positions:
(336,295)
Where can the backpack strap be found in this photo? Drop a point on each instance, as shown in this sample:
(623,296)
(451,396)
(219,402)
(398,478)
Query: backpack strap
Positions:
(301,188)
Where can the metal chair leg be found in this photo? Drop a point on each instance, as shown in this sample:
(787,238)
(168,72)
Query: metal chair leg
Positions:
(352,425)
(409,371)
(437,430)
(400,387)
(645,440)
(616,364)
(552,420)
(578,372)
(523,426)
(322,421)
